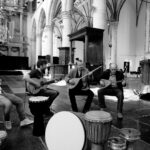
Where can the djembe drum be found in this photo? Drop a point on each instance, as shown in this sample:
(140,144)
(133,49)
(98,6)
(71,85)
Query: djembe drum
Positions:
(37,106)
(98,126)
(116,143)
(65,131)
(3,135)
(131,135)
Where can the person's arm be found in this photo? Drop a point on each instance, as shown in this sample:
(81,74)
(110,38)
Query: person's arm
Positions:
(28,79)
(123,80)
(103,77)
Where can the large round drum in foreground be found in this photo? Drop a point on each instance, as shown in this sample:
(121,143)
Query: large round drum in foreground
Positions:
(98,126)
(65,131)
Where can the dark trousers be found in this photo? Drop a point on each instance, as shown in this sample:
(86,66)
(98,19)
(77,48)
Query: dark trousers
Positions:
(86,92)
(52,94)
(113,92)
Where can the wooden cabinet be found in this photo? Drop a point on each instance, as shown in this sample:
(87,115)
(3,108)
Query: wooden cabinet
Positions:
(93,47)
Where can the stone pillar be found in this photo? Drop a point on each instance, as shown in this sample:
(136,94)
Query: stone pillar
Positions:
(114,28)
(48,47)
(38,45)
(21,31)
(66,28)
(99,14)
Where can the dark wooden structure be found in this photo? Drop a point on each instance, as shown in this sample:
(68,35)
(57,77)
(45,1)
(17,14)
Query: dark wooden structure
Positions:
(93,47)
(13,62)
(145,70)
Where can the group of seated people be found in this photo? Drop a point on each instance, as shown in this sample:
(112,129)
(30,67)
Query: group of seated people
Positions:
(111,82)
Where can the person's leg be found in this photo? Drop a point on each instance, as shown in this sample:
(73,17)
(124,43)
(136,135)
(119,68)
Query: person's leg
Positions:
(18,102)
(73,100)
(101,99)
(52,94)
(89,99)
(119,94)
(6,103)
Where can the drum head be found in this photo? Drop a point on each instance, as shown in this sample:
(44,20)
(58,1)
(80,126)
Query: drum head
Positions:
(98,116)
(36,99)
(65,131)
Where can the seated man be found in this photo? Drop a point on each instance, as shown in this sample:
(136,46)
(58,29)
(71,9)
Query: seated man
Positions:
(116,82)
(6,100)
(80,89)
(36,81)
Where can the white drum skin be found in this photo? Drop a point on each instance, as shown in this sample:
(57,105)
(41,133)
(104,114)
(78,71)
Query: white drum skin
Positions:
(65,131)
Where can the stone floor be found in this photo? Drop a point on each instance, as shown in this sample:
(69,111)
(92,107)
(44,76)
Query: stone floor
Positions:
(136,115)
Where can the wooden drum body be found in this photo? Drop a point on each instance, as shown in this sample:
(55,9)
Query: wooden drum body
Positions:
(37,106)
(98,125)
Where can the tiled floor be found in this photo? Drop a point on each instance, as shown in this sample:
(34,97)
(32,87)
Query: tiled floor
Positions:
(136,115)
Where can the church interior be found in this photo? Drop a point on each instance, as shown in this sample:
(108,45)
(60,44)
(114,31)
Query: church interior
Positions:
(62,33)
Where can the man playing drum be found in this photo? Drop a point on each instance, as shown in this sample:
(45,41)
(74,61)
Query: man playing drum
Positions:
(115,88)
(81,87)
(35,79)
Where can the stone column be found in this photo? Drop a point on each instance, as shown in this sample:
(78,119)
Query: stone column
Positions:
(114,28)
(99,14)
(38,45)
(48,48)
(66,28)
(21,31)
(66,19)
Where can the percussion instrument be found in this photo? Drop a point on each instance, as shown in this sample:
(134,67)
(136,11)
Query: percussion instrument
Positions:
(3,135)
(98,126)
(131,135)
(116,143)
(65,131)
(38,105)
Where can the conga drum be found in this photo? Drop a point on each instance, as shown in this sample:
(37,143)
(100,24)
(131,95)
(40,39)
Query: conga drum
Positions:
(37,105)
(65,131)
(116,143)
(3,135)
(98,126)
(131,135)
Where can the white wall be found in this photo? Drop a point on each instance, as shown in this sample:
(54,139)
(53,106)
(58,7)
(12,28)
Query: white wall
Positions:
(127,35)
